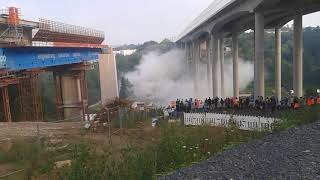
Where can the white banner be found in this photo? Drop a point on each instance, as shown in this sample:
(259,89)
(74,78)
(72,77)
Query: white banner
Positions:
(243,122)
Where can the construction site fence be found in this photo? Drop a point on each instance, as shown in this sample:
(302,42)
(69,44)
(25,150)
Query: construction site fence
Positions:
(59,27)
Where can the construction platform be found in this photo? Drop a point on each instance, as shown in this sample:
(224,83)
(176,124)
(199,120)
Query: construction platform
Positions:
(28,48)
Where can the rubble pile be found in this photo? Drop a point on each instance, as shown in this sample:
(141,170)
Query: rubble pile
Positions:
(107,113)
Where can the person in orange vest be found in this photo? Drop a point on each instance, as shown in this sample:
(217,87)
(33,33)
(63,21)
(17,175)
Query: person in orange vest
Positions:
(296,104)
(312,100)
(309,102)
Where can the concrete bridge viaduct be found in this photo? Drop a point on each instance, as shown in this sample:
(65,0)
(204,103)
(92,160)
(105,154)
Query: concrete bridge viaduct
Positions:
(228,18)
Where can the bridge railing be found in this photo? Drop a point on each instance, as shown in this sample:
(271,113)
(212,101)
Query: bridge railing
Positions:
(59,27)
(215,7)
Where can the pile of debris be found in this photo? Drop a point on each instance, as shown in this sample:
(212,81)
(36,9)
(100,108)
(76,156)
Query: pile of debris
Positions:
(110,111)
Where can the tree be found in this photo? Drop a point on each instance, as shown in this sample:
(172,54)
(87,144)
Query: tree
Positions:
(125,89)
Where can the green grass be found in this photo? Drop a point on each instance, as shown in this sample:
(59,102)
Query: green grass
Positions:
(176,147)
(293,118)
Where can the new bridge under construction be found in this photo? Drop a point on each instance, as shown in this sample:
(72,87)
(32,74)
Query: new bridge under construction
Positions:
(28,48)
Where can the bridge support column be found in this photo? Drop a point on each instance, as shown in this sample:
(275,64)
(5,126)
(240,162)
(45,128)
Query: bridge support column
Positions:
(209,67)
(6,104)
(278,63)
(189,58)
(222,94)
(108,78)
(215,62)
(298,56)
(235,57)
(196,59)
(71,94)
(259,55)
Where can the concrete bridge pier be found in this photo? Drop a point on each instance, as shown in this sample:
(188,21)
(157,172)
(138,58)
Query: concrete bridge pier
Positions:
(195,59)
(71,94)
(209,66)
(222,94)
(298,55)
(235,57)
(215,62)
(259,55)
(278,63)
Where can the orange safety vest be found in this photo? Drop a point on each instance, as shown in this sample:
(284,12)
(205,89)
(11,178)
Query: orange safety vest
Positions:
(309,102)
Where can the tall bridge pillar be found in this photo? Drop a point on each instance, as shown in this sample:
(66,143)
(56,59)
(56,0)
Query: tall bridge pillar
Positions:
(278,63)
(298,56)
(196,59)
(209,66)
(215,62)
(108,78)
(235,57)
(222,67)
(259,56)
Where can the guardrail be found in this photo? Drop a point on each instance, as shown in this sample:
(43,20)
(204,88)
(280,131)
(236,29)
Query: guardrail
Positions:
(214,8)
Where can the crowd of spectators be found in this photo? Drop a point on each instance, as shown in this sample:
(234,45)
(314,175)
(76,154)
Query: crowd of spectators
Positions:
(245,104)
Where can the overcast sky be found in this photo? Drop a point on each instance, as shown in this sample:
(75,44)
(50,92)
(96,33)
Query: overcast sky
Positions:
(124,21)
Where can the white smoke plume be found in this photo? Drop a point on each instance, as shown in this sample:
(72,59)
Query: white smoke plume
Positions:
(161,78)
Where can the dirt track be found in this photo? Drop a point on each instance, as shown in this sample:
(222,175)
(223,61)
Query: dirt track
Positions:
(29,129)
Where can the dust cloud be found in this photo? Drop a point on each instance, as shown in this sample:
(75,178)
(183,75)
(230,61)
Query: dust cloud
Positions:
(161,78)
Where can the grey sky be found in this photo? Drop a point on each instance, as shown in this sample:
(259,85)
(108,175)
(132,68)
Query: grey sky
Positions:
(124,21)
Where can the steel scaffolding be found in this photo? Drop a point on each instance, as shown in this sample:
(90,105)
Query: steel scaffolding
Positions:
(30,98)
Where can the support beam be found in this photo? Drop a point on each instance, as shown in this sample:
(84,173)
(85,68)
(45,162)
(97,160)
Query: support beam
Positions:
(259,55)
(298,56)
(215,62)
(6,104)
(235,57)
(222,67)
(278,63)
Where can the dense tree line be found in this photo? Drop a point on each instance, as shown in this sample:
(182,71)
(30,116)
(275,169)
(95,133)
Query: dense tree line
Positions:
(311,55)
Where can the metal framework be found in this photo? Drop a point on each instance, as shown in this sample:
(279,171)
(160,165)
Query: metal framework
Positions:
(30,98)
(6,104)
(14,31)
(53,31)
(79,72)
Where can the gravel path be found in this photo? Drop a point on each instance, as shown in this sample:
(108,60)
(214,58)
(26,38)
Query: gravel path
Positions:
(294,154)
